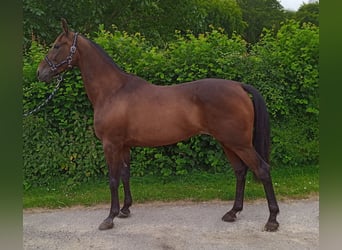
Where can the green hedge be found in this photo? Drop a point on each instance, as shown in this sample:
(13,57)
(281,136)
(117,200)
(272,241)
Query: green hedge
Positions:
(59,143)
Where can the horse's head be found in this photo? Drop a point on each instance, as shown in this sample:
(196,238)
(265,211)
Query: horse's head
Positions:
(61,56)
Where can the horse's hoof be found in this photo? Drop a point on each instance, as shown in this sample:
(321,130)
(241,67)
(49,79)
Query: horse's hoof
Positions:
(271,226)
(229,217)
(124,213)
(106,224)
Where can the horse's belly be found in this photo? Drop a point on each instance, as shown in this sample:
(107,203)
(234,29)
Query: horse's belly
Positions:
(163,131)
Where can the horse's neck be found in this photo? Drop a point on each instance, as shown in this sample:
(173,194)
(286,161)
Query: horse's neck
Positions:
(100,77)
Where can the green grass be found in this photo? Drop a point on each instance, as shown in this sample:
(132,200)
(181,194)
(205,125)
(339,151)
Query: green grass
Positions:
(290,182)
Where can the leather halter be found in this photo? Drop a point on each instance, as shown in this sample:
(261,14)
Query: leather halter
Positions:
(68,60)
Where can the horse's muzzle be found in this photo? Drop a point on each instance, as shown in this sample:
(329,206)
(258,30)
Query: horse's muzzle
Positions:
(44,75)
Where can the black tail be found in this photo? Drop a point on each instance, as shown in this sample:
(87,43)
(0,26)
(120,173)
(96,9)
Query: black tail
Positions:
(261,134)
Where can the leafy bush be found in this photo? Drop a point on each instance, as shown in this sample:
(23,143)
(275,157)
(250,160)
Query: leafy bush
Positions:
(197,153)
(295,143)
(287,62)
(284,67)
(59,142)
(73,157)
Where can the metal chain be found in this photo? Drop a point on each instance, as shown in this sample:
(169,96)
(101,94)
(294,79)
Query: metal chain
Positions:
(59,80)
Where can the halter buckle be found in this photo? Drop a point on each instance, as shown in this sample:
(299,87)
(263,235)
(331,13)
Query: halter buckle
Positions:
(73,49)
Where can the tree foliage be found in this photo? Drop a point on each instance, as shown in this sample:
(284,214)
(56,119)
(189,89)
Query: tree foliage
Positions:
(224,14)
(308,13)
(156,20)
(260,14)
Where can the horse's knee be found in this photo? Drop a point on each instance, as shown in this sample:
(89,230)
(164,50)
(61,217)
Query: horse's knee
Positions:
(113,183)
(125,173)
(240,174)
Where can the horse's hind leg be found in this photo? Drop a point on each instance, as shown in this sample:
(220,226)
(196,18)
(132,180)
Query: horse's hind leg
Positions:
(240,170)
(125,175)
(262,171)
(265,176)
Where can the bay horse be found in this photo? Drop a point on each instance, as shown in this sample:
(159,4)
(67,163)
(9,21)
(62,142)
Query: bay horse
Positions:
(129,112)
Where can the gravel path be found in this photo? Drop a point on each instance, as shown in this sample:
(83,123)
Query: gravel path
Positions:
(179,225)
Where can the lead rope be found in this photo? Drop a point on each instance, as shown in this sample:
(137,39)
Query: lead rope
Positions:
(59,80)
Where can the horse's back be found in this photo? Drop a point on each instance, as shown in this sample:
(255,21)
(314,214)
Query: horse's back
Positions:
(212,89)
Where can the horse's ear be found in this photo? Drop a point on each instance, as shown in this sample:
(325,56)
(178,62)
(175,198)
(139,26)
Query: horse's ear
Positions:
(65,26)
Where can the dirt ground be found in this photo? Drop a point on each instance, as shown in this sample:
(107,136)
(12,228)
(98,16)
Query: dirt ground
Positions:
(179,225)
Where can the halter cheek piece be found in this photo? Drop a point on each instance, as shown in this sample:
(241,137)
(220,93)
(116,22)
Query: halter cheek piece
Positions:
(68,60)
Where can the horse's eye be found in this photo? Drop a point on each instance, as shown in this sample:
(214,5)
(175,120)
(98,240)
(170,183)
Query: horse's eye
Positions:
(56,46)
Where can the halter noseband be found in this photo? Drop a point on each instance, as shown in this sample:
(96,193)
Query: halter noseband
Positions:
(68,60)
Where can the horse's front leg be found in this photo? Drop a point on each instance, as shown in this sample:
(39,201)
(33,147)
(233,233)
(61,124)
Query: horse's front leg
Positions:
(125,175)
(115,161)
